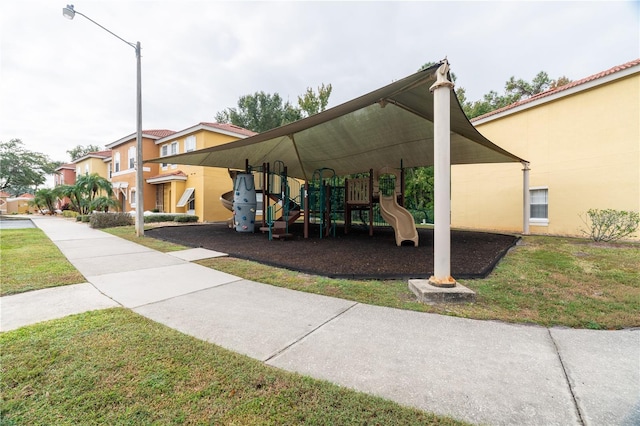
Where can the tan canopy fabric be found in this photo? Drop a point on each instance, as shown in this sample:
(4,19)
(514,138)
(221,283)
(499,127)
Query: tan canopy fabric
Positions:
(387,127)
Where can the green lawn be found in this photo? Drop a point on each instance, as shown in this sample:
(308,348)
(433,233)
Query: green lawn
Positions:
(116,367)
(545,280)
(30,261)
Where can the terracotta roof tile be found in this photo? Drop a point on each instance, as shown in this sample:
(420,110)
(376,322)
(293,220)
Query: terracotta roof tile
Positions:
(230,128)
(160,133)
(4,194)
(164,175)
(103,154)
(553,91)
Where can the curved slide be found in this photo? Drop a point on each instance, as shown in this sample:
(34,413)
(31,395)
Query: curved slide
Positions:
(227,200)
(400,220)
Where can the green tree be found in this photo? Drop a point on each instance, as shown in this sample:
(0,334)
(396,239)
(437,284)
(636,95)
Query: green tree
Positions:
(22,170)
(312,103)
(80,151)
(88,193)
(45,200)
(419,188)
(263,111)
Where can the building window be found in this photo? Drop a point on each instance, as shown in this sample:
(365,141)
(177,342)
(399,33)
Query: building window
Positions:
(86,169)
(164,151)
(190,144)
(132,197)
(116,162)
(131,154)
(539,203)
(174,151)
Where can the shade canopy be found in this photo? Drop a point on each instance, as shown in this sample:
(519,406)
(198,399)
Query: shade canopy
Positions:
(387,127)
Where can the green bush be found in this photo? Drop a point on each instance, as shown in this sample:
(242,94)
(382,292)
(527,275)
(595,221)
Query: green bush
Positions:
(185,218)
(69,213)
(610,225)
(153,218)
(110,220)
(83,218)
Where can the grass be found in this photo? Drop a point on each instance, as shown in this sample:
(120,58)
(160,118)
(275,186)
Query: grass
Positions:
(550,281)
(129,233)
(116,367)
(30,261)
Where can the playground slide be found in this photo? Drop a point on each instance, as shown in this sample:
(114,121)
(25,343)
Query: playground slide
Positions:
(400,220)
(227,200)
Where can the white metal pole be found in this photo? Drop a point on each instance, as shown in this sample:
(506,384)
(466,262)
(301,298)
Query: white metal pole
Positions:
(526,200)
(139,164)
(442,178)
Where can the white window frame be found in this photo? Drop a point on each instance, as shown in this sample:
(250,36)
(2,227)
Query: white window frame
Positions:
(131,154)
(538,221)
(132,197)
(116,162)
(190,144)
(164,151)
(175,150)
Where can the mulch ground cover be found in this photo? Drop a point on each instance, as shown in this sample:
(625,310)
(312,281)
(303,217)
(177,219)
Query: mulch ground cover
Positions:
(355,255)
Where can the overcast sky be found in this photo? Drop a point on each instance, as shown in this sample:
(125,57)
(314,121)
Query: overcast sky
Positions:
(65,83)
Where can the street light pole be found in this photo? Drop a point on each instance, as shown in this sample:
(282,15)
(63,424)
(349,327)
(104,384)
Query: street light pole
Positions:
(69,12)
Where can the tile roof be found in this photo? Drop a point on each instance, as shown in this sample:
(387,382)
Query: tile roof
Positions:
(179,173)
(66,166)
(230,128)
(160,133)
(103,154)
(568,86)
(4,194)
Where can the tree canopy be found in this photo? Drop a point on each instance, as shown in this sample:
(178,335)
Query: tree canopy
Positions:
(514,91)
(264,111)
(22,170)
(80,151)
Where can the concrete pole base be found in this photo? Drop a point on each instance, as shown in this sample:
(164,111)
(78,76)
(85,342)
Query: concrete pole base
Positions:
(426,292)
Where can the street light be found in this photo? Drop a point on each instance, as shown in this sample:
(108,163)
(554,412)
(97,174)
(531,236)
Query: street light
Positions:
(69,12)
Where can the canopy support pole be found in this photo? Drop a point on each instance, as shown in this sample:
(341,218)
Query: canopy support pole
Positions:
(442,178)
(526,201)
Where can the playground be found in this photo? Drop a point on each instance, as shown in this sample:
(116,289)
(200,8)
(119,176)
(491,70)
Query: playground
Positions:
(354,255)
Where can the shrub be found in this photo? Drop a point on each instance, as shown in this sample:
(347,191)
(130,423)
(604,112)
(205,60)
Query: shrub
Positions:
(610,225)
(83,218)
(185,218)
(110,220)
(69,213)
(159,218)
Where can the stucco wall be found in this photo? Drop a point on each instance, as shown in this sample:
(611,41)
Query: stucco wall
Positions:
(585,148)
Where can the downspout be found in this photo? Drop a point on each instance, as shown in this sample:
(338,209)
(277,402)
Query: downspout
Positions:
(526,199)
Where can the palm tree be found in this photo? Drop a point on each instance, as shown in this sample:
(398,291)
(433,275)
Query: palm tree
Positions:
(89,187)
(103,203)
(45,199)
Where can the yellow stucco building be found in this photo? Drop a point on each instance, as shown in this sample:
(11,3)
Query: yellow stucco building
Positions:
(582,141)
(122,172)
(193,189)
(93,162)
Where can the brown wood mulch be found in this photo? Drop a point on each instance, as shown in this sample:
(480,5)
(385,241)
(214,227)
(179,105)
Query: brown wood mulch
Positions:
(355,255)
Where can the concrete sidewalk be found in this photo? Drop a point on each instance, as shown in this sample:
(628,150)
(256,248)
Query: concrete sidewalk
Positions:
(479,371)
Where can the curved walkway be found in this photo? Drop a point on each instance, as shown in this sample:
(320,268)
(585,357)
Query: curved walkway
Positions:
(479,371)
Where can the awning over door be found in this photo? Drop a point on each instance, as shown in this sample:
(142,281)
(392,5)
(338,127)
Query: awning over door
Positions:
(186,196)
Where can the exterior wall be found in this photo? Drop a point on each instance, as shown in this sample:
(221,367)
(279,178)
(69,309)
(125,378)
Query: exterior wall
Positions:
(209,183)
(127,175)
(584,147)
(92,165)
(64,177)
